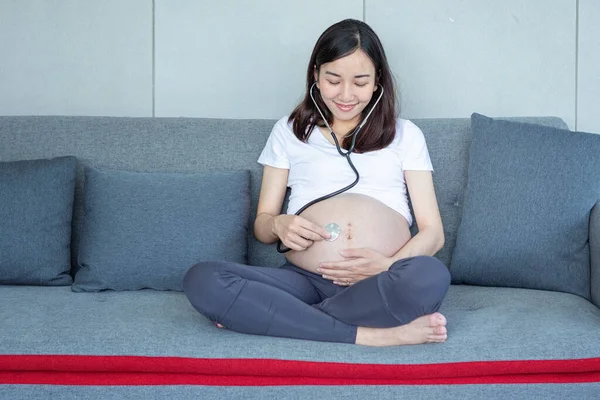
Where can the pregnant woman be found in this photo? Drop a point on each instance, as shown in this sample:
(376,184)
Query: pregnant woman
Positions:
(353,273)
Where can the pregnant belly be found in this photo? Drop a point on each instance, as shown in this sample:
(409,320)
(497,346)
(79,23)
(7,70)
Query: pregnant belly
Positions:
(364,222)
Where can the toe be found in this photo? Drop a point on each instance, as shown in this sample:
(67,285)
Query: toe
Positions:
(437,338)
(437,319)
(439,330)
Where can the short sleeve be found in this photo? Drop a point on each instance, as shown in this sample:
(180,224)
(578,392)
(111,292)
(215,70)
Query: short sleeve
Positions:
(415,155)
(274,153)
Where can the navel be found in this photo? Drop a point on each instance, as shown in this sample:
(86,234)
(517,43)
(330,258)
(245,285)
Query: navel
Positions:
(349,231)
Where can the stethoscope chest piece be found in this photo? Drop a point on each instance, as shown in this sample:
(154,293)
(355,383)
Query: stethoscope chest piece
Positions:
(334,230)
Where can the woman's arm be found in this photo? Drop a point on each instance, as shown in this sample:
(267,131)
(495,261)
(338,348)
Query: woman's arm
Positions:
(430,238)
(270,200)
(295,232)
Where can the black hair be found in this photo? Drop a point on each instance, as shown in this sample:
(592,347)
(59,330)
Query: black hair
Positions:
(340,40)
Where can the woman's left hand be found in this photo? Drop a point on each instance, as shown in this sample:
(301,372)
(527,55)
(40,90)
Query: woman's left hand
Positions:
(359,264)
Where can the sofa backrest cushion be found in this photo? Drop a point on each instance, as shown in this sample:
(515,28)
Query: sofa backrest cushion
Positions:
(528,200)
(145,230)
(36,208)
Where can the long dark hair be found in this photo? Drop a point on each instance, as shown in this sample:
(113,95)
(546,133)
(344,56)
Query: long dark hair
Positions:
(340,40)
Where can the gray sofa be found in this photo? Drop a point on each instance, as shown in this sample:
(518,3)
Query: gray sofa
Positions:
(503,341)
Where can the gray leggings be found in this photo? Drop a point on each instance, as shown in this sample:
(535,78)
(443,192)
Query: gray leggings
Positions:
(294,303)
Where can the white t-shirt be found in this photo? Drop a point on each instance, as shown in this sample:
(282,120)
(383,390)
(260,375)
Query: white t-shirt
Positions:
(316,168)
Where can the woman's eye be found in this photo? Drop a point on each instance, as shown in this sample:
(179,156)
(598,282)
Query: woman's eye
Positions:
(361,84)
(334,83)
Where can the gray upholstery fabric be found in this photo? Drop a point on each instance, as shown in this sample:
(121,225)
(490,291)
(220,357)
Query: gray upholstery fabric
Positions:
(204,145)
(188,392)
(36,210)
(595,253)
(528,200)
(448,140)
(145,230)
(483,324)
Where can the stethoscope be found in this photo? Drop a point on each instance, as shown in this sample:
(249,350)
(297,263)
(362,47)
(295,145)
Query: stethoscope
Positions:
(332,227)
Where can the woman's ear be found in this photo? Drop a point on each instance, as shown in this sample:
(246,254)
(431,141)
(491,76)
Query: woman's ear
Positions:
(316,76)
(377,75)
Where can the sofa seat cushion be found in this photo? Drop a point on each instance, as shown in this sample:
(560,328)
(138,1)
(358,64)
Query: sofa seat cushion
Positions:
(350,392)
(496,335)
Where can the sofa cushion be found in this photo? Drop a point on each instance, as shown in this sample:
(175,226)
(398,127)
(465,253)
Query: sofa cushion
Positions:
(144,230)
(448,140)
(36,209)
(529,194)
(493,333)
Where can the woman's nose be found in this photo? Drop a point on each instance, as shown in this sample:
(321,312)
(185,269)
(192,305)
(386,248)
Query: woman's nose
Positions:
(346,95)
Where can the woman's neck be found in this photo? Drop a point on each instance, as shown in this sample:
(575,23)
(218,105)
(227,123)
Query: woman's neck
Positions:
(342,128)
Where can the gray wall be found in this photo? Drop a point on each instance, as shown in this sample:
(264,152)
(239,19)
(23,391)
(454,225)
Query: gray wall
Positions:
(247,59)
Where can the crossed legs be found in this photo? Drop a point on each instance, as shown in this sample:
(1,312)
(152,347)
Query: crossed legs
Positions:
(396,307)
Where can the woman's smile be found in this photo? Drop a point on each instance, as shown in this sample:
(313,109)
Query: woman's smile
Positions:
(345,107)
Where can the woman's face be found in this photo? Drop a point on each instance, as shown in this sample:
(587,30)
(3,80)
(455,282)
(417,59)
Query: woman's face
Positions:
(347,85)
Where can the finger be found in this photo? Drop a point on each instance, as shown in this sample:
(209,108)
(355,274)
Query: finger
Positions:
(293,245)
(302,225)
(297,242)
(342,283)
(319,230)
(309,234)
(301,241)
(334,274)
(339,277)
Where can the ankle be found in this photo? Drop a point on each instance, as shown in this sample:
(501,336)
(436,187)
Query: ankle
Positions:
(371,336)
(364,336)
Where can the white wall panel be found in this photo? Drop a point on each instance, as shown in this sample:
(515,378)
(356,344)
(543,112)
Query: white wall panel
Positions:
(76,57)
(238,59)
(588,87)
(500,58)
(247,58)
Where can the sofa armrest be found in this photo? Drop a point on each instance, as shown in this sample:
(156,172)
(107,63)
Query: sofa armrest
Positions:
(595,254)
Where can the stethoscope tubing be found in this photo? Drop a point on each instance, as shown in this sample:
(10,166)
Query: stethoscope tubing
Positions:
(345,154)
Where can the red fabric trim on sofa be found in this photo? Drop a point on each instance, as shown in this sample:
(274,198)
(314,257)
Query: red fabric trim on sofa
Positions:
(141,370)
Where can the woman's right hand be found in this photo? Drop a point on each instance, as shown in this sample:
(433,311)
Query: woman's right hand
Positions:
(296,232)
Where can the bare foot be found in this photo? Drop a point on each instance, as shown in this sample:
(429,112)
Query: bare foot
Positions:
(426,329)
(219,325)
